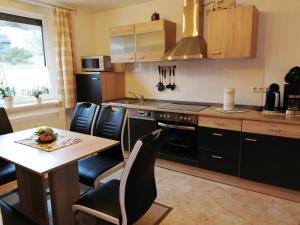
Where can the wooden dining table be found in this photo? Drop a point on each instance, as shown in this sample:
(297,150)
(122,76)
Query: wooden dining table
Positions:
(34,166)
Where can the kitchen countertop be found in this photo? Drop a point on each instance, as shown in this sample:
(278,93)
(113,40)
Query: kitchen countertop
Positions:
(251,113)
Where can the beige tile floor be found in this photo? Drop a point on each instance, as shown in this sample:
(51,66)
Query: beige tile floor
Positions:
(197,201)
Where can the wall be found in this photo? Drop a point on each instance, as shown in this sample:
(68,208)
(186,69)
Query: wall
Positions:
(204,80)
(82,35)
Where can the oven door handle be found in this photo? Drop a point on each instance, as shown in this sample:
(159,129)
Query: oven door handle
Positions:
(176,126)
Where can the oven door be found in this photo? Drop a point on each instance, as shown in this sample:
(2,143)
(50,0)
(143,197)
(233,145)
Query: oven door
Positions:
(180,144)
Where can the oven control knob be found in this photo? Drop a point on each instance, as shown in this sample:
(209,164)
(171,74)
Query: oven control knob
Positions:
(180,118)
(168,116)
(184,118)
(189,119)
(161,115)
(165,116)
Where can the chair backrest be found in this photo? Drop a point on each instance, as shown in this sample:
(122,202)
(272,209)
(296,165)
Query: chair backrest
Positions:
(83,117)
(5,126)
(110,124)
(138,186)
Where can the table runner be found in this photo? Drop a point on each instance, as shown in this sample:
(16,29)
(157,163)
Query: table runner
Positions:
(60,142)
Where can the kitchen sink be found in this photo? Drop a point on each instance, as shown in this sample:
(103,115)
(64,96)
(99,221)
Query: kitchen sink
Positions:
(135,101)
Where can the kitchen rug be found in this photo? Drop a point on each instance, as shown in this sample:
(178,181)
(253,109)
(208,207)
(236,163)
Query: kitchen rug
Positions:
(155,215)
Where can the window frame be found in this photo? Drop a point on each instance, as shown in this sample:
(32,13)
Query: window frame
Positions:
(49,56)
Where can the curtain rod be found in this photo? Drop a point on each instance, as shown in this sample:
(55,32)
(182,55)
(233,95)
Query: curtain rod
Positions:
(46,4)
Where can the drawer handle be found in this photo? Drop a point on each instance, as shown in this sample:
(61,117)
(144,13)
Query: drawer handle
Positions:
(275,130)
(219,123)
(217,134)
(215,52)
(216,157)
(250,140)
(130,57)
(142,57)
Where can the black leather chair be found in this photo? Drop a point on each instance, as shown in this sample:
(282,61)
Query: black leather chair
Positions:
(11,216)
(83,117)
(125,201)
(7,169)
(110,124)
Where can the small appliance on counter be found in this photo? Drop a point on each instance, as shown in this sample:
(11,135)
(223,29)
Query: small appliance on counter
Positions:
(291,99)
(228,102)
(273,98)
(99,63)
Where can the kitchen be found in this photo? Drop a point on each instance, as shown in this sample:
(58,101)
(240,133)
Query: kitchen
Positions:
(197,99)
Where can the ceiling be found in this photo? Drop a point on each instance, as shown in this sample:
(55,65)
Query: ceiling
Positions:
(101,5)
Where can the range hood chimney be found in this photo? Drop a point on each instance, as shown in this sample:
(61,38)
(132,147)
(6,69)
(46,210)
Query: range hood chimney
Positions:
(192,45)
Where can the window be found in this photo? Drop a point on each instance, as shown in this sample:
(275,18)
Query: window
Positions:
(23,63)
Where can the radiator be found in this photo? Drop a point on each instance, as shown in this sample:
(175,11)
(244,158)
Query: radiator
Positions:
(53,119)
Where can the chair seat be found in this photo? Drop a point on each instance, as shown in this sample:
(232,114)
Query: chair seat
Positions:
(104,199)
(90,168)
(7,172)
(11,216)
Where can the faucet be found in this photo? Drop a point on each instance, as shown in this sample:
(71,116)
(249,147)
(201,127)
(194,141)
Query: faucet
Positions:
(141,98)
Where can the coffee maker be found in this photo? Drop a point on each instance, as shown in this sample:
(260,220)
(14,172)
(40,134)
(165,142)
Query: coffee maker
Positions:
(273,98)
(291,99)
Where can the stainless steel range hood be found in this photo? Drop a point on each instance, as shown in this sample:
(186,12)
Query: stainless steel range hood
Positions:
(192,45)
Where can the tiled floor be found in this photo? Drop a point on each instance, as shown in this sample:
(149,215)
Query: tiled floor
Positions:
(197,201)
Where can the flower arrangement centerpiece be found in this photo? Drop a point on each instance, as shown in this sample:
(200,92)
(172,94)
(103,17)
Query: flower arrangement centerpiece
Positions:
(45,135)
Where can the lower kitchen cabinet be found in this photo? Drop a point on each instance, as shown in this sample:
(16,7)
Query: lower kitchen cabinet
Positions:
(219,150)
(219,162)
(272,160)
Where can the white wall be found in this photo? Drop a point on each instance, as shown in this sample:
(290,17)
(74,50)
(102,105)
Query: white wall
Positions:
(204,80)
(82,35)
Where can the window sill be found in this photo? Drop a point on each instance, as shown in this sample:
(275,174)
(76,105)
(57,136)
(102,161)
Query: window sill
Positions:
(32,110)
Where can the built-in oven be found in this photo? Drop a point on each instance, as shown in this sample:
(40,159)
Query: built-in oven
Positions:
(180,144)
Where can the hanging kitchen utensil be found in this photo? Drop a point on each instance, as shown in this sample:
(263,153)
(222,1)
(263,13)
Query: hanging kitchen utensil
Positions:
(159,73)
(173,86)
(161,87)
(170,78)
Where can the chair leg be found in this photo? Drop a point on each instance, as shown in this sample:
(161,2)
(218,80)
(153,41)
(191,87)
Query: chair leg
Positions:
(76,217)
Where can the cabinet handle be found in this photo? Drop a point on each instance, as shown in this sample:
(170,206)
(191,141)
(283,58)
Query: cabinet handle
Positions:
(217,134)
(129,57)
(216,53)
(275,130)
(219,123)
(142,57)
(216,157)
(250,140)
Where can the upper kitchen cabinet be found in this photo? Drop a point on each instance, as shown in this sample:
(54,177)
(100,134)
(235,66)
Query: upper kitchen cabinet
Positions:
(122,44)
(143,42)
(153,39)
(232,33)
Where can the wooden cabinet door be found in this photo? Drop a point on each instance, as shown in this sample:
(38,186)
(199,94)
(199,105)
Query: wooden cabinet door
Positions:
(272,160)
(232,33)
(153,39)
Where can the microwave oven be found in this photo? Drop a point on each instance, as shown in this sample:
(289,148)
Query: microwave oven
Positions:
(98,63)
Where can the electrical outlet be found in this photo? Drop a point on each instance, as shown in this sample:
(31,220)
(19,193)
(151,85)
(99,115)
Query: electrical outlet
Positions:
(263,90)
(255,89)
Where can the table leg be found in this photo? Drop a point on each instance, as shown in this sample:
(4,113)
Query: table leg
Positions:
(32,194)
(64,191)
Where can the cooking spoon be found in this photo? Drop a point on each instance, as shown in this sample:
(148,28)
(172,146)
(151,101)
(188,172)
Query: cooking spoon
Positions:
(170,77)
(161,86)
(159,72)
(173,86)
